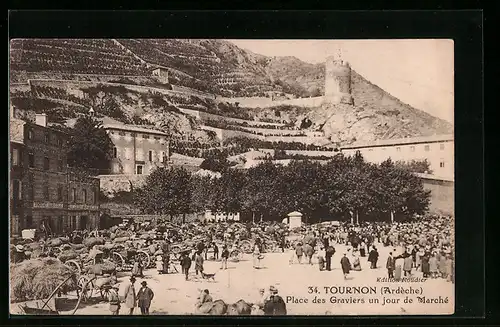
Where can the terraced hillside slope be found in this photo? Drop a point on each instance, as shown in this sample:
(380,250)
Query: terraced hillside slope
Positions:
(215,67)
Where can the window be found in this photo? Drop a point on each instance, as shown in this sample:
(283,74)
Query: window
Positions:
(441,163)
(15,159)
(60,165)
(398,149)
(84,196)
(73,195)
(412,149)
(46,163)
(58,141)
(32,191)
(426,148)
(139,170)
(73,222)
(115,152)
(162,156)
(31,160)
(60,193)
(46,192)
(47,137)
(95,195)
(30,134)
(150,155)
(441,146)
(16,190)
(29,222)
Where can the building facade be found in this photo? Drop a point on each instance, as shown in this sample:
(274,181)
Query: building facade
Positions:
(137,151)
(162,74)
(438,150)
(42,185)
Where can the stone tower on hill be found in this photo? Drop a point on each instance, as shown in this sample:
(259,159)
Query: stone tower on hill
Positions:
(337,81)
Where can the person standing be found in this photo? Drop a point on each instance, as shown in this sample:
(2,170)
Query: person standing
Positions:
(299,251)
(433,265)
(130,296)
(330,251)
(275,305)
(114,301)
(216,251)
(407,263)
(346,265)
(362,249)
(256,256)
(185,264)
(425,265)
(198,263)
(224,257)
(390,265)
(144,298)
(373,257)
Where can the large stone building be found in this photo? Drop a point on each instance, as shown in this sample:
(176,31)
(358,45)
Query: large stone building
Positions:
(43,190)
(438,150)
(137,151)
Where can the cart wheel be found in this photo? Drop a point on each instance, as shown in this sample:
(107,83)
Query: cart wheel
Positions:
(176,250)
(246,247)
(235,253)
(145,259)
(74,265)
(105,293)
(85,288)
(118,260)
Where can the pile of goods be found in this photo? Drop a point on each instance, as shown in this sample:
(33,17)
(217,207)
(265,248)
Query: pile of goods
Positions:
(37,278)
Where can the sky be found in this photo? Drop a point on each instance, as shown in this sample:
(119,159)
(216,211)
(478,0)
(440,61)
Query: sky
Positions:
(418,72)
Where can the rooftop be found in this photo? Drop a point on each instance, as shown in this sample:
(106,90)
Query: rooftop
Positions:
(406,140)
(110,123)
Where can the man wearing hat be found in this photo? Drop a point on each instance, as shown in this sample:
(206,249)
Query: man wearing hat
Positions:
(114,300)
(130,296)
(144,298)
(275,305)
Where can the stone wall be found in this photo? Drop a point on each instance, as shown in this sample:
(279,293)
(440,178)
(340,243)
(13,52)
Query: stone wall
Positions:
(442,196)
(111,184)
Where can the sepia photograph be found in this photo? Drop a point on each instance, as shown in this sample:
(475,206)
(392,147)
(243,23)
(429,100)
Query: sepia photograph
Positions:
(231,177)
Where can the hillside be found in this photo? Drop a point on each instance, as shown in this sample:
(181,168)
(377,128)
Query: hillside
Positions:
(121,70)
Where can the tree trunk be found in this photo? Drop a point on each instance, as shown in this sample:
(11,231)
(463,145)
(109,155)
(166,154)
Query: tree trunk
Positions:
(261,217)
(352,217)
(253,217)
(392,217)
(357,217)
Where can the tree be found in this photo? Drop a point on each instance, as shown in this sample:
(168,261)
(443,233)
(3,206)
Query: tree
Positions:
(216,162)
(415,166)
(166,191)
(89,145)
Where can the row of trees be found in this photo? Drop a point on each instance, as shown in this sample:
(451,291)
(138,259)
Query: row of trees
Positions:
(343,187)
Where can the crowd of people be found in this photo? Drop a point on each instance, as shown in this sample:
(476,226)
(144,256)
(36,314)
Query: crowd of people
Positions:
(424,245)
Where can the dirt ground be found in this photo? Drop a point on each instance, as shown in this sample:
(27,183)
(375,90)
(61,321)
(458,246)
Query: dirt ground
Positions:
(176,296)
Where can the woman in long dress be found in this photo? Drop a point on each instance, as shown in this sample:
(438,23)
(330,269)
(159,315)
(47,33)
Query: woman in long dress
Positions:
(433,265)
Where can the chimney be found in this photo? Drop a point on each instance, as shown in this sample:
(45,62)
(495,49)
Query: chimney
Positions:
(41,119)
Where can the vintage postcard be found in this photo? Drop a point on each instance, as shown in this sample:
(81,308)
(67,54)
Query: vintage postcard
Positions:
(231,177)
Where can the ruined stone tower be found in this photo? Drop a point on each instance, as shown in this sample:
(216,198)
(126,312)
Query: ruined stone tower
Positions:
(337,81)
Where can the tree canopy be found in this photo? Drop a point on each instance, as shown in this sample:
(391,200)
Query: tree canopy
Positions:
(89,145)
(341,187)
